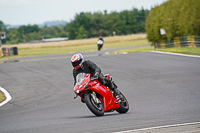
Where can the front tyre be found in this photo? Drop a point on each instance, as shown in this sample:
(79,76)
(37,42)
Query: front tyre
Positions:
(124,106)
(95,108)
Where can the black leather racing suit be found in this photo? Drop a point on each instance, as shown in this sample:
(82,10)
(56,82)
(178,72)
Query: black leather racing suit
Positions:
(91,67)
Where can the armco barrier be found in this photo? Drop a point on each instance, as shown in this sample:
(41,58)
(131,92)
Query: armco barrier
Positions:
(9,51)
(183,41)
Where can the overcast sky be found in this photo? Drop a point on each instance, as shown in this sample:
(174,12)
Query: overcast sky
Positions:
(24,12)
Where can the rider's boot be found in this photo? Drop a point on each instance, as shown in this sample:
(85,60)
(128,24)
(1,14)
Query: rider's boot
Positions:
(116,93)
(115,90)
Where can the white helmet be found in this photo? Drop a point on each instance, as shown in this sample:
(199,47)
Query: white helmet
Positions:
(77,60)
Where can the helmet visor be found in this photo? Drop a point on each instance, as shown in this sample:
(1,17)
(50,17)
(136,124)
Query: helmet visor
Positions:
(76,63)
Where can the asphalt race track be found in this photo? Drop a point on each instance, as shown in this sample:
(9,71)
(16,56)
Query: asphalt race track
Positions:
(161,90)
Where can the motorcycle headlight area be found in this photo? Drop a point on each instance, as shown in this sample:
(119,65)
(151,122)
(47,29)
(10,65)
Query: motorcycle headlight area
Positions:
(77,91)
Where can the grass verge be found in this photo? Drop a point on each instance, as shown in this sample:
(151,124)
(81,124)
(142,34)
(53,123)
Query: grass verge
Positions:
(135,50)
(190,51)
(2,97)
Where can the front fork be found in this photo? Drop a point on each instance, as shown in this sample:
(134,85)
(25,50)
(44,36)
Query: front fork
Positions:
(94,97)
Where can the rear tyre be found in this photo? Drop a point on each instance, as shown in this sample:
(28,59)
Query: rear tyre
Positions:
(124,106)
(94,107)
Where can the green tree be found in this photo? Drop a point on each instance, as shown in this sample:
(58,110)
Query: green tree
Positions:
(177,17)
(129,22)
(81,33)
(98,24)
(2,26)
(71,28)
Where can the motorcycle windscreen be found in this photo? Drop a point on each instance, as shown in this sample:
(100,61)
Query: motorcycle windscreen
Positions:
(80,77)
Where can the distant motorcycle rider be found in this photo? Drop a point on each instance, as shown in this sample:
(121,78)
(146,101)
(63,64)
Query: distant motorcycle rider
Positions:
(100,43)
(87,66)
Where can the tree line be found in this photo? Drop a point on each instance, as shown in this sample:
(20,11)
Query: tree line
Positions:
(84,25)
(30,33)
(176,17)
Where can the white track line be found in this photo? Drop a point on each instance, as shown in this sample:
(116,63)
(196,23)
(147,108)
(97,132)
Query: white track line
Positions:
(167,126)
(7,95)
(160,52)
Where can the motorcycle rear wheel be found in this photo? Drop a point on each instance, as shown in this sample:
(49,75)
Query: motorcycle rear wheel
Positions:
(94,107)
(124,106)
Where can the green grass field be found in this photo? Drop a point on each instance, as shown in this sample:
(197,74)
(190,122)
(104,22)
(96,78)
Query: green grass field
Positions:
(81,45)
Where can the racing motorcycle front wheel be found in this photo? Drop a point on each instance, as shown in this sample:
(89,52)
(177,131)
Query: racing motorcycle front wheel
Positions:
(124,106)
(92,103)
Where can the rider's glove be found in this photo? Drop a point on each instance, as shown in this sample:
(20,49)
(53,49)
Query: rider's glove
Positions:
(96,75)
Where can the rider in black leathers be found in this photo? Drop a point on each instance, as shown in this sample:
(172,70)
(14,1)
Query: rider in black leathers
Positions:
(90,67)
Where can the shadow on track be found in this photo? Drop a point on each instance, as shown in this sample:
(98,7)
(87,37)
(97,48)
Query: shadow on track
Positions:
(93,116)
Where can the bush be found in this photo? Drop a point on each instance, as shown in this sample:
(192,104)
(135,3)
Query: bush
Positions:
(177,17)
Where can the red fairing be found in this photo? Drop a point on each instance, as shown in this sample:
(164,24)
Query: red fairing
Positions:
(108,98)
(105,96)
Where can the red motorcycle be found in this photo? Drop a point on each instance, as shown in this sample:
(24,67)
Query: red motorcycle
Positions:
(98,98)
